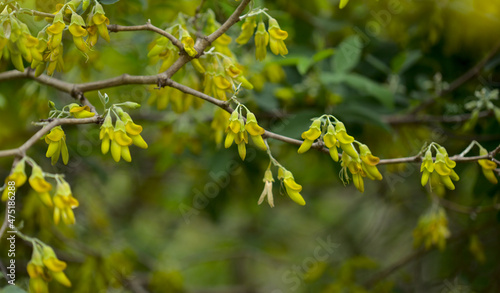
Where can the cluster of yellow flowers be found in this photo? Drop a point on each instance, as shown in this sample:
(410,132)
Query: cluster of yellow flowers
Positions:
(360,164)
(274,36)
(63,201)
(43,267)
(56,139)
(121,136)
(45,52)
(219,124)
(443,166)
(292,188)
(180,102)
(238,131)
(162,49)
(432,229)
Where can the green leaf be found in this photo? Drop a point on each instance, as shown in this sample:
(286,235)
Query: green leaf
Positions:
(323,54)
(361,84)
(378,64)
(348,54)
(104,98)
(108,2)
(404,60)
(363,115)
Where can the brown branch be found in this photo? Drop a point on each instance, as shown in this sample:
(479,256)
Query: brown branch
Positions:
(126,79)
(122,28)
(146,27)
(411,119)
(467,209)
(456,158)
(21,151)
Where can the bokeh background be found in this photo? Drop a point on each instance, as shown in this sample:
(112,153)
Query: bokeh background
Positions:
(183,215)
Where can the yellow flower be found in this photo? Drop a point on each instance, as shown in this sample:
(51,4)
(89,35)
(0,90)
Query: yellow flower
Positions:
(64,203)
(247,30)
(55,31)
(133,130)
(241,139)
(80,111)
(56,139)
(197,65)
(356,169)
(120,143)
(219,124)
(32,45)
(310,136)
(101,21)
(40,185)
(220,86)
(45,266)
(93,36)
(221,45)
(261,41)
(188,43)
(255,131)
(106,134)
(39,276)
(76,28)
(292,188)
(277,35)
(268,189)
(427,167)
(18,176)
(345,140)
(331,142)
(487,167)
(445,172)
(369,163)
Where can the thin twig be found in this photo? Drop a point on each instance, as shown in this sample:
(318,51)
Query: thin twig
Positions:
(21,151)
(474,71)
(146,27)
(383,274)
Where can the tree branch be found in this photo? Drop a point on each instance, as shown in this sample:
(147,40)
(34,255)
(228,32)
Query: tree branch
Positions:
(413,119)
(21,151)
(474,71)
(146,27)
(122,28)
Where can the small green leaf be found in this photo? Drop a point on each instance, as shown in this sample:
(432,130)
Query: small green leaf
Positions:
(104,98)
(347,55)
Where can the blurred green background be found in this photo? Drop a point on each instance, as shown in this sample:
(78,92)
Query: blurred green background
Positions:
(183,215)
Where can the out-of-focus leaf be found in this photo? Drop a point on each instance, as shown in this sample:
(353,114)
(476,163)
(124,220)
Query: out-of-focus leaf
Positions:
(347,54)
(12,289)
(363,115)
(108,2)
(378,64)
(323,54)
(362,84)
(404,61)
